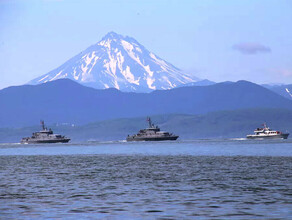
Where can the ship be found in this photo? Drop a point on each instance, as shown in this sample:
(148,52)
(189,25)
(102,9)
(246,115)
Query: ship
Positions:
(152,133)
(45,136)
(266,133)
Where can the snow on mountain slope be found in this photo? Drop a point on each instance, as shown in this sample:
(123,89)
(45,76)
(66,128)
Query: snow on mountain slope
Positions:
(119,62)
(288,91)
(281,89)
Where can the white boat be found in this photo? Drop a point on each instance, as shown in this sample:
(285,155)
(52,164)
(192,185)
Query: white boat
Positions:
(267,133)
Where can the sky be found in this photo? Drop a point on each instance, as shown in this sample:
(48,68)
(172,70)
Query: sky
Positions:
(226,40)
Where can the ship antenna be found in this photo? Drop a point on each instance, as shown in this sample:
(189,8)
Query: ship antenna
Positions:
(149,121)
(43,124)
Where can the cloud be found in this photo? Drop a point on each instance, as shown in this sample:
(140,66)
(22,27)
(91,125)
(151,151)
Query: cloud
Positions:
(284,72)
(251,48)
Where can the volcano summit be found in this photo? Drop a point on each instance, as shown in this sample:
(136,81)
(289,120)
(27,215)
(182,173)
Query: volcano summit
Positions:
(122,63)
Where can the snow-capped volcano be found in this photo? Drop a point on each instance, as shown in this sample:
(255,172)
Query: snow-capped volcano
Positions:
(119,62)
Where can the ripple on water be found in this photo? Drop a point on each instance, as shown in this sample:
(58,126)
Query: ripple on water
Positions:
(162,187)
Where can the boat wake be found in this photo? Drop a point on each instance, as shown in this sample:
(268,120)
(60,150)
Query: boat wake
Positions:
(237,139)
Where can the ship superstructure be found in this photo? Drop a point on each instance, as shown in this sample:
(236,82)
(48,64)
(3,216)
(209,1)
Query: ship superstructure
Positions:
(45,136)
(152,133)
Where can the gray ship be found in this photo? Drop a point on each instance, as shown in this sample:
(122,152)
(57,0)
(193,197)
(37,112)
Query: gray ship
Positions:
(267,133)
(152,133)
(44,136)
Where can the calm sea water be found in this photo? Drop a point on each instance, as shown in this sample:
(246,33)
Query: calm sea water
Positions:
(202,179)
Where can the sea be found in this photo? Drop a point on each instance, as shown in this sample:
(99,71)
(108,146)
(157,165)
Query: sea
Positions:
(195,179)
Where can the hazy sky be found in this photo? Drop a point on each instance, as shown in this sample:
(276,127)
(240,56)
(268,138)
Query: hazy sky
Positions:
(215,40)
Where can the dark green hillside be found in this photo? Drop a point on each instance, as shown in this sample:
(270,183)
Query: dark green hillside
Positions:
(222,124)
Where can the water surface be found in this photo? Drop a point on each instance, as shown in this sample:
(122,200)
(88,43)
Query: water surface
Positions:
(201,179)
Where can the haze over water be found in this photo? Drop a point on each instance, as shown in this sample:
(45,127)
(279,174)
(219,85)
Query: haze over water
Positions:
(219,179)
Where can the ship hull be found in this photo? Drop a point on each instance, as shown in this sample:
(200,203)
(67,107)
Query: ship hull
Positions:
(171,138)
(30,141)
(279,136)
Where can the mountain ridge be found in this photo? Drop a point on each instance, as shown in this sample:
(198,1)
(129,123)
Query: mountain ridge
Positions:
(67,101)
(284,90)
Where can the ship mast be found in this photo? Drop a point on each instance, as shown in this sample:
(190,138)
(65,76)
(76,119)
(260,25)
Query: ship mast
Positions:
(265,126)
(149,121)
(43,124)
